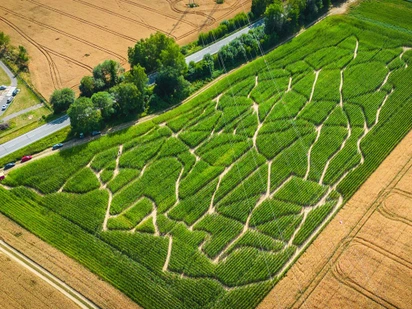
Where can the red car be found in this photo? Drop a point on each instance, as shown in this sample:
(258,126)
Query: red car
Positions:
(26,158)
(2,177)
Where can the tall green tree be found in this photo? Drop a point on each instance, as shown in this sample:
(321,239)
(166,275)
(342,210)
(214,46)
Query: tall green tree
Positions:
(4,40)
(107,74)
(274,17)
(84,117)
(138,77)
(155,52)
(61,99)
(22,59)
(171,85)
(259,7)
(87,87)
(295,9)
(104,102)
(128,98)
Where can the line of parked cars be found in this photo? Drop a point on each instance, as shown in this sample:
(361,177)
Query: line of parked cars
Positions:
(13,164)
(9,99)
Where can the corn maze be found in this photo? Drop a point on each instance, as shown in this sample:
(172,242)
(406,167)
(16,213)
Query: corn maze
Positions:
(207,205)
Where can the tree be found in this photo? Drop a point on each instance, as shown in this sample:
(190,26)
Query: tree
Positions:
(210,63)
(104,102)
(4,40)
(84,117)
(170,85)
(87,86)
(22,59)
(155,52)
(259,7)
(138,77)
(295,16)
(61,99)
(274,17)
(128,98)
(107,74)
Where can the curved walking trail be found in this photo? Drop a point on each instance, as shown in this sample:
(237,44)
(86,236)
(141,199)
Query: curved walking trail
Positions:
(45,275)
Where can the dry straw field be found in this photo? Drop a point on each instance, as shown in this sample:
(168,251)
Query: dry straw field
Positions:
(66,39)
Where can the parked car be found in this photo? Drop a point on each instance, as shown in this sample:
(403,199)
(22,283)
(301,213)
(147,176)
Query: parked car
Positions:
(57,146)
(2,87)
(3,108)
(81,135)
(9,99)
(9,165)
(15,92)
(2,177)
(94,133)
(26,158)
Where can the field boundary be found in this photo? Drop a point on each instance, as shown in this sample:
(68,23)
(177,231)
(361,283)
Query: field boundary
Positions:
(294,278)
(45,275)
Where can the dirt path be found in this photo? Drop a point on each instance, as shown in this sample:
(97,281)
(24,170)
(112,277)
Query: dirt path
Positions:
(42,273)
(169,253)
(311,282)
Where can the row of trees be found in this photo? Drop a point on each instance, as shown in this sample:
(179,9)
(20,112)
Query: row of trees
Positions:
(286,17)
(225,27)
(17,55)
(111,93)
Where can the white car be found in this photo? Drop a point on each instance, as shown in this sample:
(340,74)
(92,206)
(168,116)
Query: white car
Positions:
(3,108)
(9,100)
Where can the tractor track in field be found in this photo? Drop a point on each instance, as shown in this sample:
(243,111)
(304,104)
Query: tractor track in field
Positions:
(81,20)
(124,17)
(71,36)
(341,277)
(46,276)
(54,73)
(162,14)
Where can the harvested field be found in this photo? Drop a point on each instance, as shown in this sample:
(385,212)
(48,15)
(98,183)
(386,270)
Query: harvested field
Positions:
(66,39)
(19,286)
(363,257)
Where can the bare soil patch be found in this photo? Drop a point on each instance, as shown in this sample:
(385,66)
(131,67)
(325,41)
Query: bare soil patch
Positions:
(66,39)
(362,259)
(17,285)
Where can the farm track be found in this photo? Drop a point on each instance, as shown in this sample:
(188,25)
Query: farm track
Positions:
(45,275)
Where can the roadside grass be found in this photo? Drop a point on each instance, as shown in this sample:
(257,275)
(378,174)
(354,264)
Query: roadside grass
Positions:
(39,146)
(24,99)
(4,78)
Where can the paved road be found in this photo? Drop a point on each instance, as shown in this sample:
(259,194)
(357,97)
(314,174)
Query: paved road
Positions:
(23,111)
(3,97)
(34,135)
(215,47)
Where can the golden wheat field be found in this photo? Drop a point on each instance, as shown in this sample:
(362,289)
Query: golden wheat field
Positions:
(67,38)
